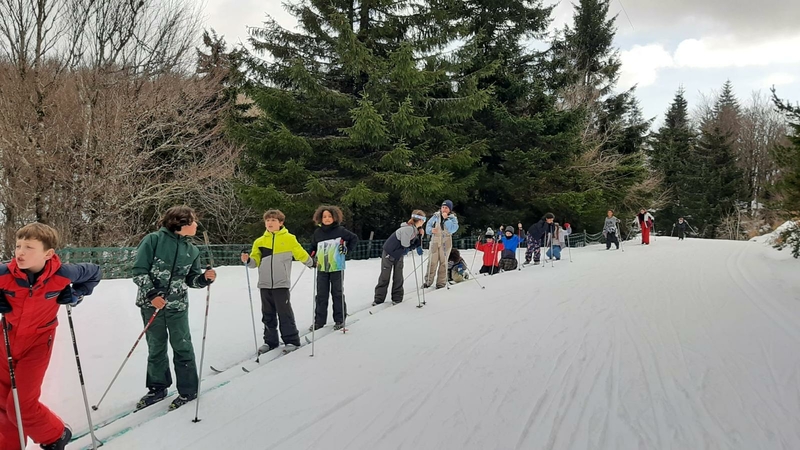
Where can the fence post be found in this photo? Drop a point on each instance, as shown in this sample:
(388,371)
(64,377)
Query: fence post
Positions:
(369,247)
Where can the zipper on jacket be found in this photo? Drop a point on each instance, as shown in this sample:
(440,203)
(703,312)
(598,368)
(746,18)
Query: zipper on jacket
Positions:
(272,263)
(172,272)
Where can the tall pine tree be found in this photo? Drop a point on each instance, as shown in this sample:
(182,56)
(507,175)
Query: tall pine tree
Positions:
(582,69)
(669,152)
(348,110)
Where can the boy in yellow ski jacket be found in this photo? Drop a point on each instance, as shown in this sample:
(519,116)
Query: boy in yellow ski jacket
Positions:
(273,253)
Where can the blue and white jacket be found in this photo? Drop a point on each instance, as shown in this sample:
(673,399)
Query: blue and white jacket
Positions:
(447,227)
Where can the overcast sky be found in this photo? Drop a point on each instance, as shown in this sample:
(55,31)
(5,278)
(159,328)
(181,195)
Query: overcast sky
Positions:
(695,43)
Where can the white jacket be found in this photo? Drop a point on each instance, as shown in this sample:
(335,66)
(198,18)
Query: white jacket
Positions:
(560,237)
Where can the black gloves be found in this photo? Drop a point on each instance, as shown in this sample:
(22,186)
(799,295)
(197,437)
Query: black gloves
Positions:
(69,297)
(5,307)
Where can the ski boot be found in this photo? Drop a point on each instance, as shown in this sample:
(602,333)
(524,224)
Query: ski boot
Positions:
(181,400)
(265,348)
(338,326)
(316,326)
(289,348)
(62,442)
(154,396)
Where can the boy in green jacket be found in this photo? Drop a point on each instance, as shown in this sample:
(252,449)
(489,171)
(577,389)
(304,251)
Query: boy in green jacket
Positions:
(272,253)
(166,263)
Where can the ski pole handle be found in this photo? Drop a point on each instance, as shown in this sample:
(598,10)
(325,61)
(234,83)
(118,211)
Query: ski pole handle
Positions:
(146,327)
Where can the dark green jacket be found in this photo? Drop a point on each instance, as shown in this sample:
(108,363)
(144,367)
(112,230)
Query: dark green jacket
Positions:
(165,258)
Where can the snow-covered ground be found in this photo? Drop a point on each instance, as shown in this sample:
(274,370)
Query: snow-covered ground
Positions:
(679,345)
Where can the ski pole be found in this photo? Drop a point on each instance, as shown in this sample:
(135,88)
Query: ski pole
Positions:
(344,308)
(445,261)
(421,264)
(314,312)
(494,260)
(471,266)
(205,331)
(569,246)
(416,280)
(519,240)
(471,275)
(13,384)
(542,246)
(673,230)
(146,327)
(252,311)
(301,274)
(202,352)
(95,442)
(621,246)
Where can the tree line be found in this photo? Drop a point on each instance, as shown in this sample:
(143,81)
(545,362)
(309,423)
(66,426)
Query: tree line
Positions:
(108,115)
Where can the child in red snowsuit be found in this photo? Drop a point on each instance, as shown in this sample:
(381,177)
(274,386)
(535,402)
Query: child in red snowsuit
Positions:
(645,220)
(490,249)
(32,287)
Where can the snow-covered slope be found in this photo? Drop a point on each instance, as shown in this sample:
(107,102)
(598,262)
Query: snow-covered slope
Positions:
(679,345)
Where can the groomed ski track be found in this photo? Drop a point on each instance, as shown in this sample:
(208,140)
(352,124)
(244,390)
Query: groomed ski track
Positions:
(680,345)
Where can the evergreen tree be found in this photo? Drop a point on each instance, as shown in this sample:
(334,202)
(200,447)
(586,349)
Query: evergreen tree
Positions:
(788,158)
(349,111)
(669,153)
(529,142)
(714,181)
(582,69)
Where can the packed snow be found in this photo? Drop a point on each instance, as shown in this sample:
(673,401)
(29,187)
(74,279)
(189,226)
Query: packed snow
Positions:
(677,345)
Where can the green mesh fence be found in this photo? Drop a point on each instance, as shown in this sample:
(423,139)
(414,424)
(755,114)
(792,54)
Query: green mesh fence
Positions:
(117,262)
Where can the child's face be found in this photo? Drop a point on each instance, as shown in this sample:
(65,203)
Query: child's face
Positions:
(610,213)
(509,234)
(189,230)
(274,225)
(327,218)
(31,255)
(489,240)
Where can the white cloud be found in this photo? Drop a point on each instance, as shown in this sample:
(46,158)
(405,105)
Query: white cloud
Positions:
(641,63)
(778,79)
(728,51)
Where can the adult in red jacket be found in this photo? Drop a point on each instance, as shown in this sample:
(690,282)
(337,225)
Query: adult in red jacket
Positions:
(33,286)
(645,220)
(490,249)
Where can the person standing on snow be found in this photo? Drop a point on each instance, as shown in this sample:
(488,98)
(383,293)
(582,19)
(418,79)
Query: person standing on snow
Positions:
(645,220)
(273,254)
(681,226)
(441,228)
(166,264)
(407,237)
(510,241)
(33,285)
(611,230)
(331,241)
(537,234)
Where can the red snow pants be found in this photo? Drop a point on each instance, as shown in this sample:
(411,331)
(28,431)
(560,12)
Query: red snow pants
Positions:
(645,234)
(31,357)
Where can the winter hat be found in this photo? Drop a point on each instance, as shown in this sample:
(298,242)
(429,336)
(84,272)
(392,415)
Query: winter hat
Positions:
(549,216)
(449,204)
(489,232)
(510,229)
